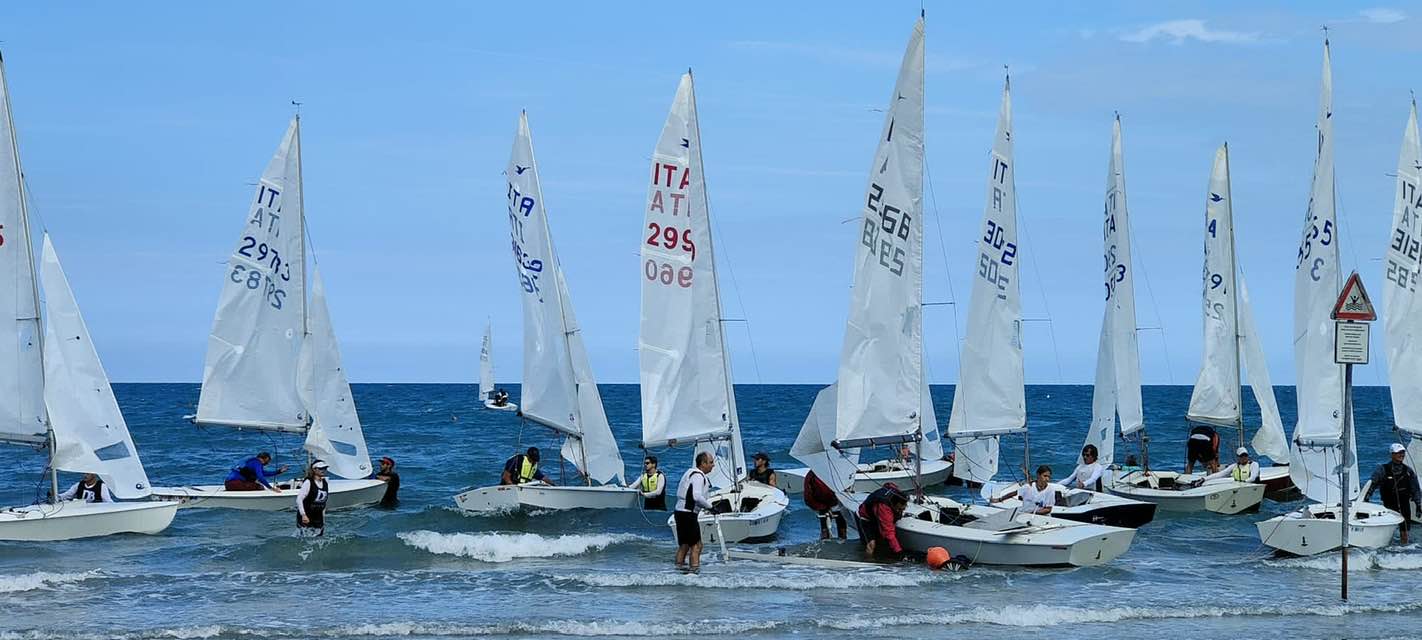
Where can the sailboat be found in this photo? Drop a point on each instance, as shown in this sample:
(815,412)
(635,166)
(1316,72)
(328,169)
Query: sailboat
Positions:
(1118,376)
(1403,324)
(273,364)
(1232,342)
(559,391)
(880,395)
(990,400)
(1321,446)
(486,373)
(687,397)
(58,398)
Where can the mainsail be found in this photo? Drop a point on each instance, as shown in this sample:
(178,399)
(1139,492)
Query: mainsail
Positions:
(486,364)
(1318,447)
(1403,323)
(1117,392)
(991,396)
(685,371)
(558,386)
(22,413)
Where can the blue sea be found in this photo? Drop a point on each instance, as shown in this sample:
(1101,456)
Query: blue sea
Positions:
(424,570)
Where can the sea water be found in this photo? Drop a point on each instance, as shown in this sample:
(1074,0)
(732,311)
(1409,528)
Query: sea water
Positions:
(425,570)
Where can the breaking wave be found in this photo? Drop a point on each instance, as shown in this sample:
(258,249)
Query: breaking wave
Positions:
(41,580)
(506,547)
(781,581)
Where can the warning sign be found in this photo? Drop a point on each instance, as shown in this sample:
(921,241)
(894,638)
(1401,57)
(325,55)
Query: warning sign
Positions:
(1350,343)
(1353,303)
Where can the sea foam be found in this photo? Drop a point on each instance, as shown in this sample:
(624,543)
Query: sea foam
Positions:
(506,547)
(41,580)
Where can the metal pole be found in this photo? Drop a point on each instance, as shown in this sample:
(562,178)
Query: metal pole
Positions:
(1343,473)
(53,472)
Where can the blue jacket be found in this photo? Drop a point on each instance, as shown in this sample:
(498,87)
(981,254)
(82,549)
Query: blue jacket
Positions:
(259,472)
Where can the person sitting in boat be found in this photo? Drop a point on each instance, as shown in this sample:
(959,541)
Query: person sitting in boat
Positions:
(1087,474)
(523,469)
(1040,495)
(1242,470)
(252,474)
(1398,484)
(387,474)
(311,500)
(1203,446)
(653,485)
(878,516)
(762,472)
(1130,465)
(501,397)
(821,499)
(90,489)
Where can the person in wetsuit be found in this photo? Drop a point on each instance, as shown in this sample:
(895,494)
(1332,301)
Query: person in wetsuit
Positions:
(1397,483)
(820,498)
(387,474)
(311,500)
(877,518)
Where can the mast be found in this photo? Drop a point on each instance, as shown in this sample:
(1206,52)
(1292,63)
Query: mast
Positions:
(1234,294)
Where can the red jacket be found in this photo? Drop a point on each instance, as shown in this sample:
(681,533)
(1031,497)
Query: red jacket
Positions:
(818,496)
(883,517)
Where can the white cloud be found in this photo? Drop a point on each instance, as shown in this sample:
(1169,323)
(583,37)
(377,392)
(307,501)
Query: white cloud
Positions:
(1178,31)
(1382,15)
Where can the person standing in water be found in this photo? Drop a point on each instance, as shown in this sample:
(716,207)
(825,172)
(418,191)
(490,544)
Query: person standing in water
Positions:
(690,500)
(653,486)
(387,474)
(311,501)
(1397,483)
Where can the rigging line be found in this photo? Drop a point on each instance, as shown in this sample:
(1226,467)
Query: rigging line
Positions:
(745,317)
(943,248)
(1155,308)
(1042,293)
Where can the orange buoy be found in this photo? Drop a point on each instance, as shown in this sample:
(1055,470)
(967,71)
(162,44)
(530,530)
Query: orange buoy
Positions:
(937,558)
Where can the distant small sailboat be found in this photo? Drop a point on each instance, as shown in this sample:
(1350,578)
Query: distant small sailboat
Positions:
(1321,446)
(487,389)
(273,363)
(58,397)
(559,391)
(687,393)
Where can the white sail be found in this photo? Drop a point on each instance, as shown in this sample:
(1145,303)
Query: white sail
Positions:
(89,431)
(1118,368)
(486,363)
(21,369)
(1216,398)
(685,374)
(559,390)
(249,375)
(990,399)
(1317,448)
(335,435)
(835,468)
(1269,440)
(880,378)
(1403,323)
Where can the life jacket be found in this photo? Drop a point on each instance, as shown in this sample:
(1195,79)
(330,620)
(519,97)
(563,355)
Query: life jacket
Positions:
(1240,474)
(878,497)
(1395,482)
(757,476)
(688,503)
(649,483)
(526,470)
(315,500)
(91,494)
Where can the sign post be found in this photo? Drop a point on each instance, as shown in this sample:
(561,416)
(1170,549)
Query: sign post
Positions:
(1351,315)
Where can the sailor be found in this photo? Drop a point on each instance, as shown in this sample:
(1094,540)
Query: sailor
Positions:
(1040,495)
(311,500)
(387,474)
(90,489)
(821,499)
(690,500)
(501,397)
(653,485)
(762,472)
(878,516)
(523,469)
(1087,474)
(1242,470)
(252,474)
(1398,484)
(1203,446)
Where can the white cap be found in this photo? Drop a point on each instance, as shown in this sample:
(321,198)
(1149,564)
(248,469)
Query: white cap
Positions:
(320,465)
(1241,451)
(1397,447)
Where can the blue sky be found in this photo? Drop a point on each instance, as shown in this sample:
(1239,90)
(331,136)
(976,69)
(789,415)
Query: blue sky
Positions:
(141,126)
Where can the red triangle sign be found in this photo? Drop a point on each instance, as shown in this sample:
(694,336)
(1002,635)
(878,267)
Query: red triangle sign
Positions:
(1353,303)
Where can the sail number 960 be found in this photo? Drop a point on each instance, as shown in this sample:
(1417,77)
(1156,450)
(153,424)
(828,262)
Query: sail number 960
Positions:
(657,271)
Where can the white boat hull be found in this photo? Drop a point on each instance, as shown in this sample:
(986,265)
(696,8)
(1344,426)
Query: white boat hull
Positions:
(872,475)
(761,522)
(343,494)
(489,404)
(1219,496)
(73,519)
(1318,528)
(1037,541)
(540,496)
(1092,507)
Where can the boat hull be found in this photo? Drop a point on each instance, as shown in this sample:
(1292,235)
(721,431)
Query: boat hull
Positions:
(1317,529)
(489,404)
(537,496)
(343,494)
(73,520)
(1219,496)
(1278,484)
(758,524)
(872,475)
(1091,507)
(1038,541)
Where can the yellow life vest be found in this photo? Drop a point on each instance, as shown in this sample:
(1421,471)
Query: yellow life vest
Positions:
(649,482)
(1241,474)
(527,471)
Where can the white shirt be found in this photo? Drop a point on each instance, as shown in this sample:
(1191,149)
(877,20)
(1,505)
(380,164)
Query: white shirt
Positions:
(1035,499)
(659,485)
(1250,473)
(696,482)
(73,492)
(1086,475)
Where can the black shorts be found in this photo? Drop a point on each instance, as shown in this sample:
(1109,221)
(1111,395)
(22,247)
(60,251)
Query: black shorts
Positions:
(316,516)
(688,530)
(1404,508)
(1199,451)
